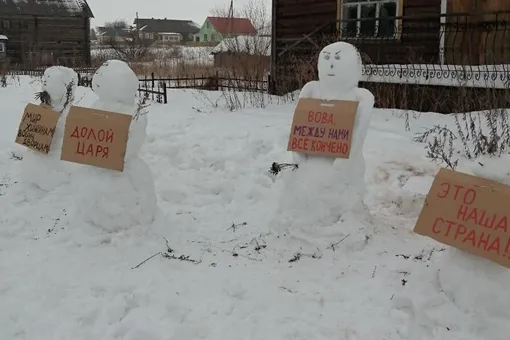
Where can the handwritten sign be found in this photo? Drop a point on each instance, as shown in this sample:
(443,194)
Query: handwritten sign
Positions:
(469,213)
(37,128)
(96,137)
(323,128)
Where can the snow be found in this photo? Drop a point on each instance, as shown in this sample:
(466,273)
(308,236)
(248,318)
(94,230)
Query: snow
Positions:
(63,280)
(254,45)
(110,200)
(3,37)
(328,204)
(46,171)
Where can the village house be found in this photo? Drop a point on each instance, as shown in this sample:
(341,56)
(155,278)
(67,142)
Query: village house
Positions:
(215,29)
(113,35)
(166,30)
(46,32)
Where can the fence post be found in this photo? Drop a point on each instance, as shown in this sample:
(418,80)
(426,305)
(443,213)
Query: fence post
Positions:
(152,75)
(164,93)
(217,81)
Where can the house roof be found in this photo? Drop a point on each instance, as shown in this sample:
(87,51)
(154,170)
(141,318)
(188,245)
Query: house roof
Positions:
(57,8)
(114,31)
(232,25)
(167,25)
(249,44)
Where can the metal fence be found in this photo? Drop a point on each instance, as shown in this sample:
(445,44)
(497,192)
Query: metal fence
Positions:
(466,50)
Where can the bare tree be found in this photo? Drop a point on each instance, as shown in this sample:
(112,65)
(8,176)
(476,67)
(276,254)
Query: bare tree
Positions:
(125,42)
(247,53)
(119,23)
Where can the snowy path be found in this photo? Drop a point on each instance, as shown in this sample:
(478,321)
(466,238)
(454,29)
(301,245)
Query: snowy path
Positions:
(60,281)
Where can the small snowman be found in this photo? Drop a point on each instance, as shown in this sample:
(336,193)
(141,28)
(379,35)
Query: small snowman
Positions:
(486,295)
(111,200)
(47,172)
(326,190)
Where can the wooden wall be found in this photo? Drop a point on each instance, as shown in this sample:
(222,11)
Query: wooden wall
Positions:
(480,37)
(39,41)
(418,41)
(249,66)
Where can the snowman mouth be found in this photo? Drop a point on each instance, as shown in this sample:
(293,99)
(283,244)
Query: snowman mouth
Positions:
(330,74)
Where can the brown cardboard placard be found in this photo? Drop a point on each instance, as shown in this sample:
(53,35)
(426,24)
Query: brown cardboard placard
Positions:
(323,128)
(468,213)
(96,137)
(37,128)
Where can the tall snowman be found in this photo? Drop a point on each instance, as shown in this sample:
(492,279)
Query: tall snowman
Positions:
(111,200)
(47,172)
(326,191)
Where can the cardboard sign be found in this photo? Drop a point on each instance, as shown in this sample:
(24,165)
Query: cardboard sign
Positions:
(37,128)
(468,213)
(323,128)
(96,137)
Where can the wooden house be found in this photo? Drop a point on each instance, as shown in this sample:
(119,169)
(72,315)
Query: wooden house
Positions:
(215,29)
(166,30)
(46,32)
(387,32)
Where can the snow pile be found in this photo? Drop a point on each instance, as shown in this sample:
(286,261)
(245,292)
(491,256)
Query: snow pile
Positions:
(112,200)
(47,172)
(218,277)
(326,190)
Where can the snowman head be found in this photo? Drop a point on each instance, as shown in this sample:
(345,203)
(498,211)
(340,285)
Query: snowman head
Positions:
(60,84)
(115,82)
(340,66)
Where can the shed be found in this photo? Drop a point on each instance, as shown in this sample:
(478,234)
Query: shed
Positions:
(47,32)
(246,53)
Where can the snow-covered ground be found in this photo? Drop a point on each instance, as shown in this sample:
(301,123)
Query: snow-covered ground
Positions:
(216,274)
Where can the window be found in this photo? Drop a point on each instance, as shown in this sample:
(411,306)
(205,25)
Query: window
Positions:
(370,18)
(205,37)
(2,47)
(6,24)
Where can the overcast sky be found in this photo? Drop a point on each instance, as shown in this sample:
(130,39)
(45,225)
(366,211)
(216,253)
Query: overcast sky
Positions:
(196,10)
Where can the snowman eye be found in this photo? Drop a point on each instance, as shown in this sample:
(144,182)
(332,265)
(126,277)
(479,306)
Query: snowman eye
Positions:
(337,57)
(326,56)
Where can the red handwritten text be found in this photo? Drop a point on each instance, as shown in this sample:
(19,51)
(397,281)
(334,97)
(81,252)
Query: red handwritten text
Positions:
(309,131)
(306,144)
(468,196)
(320,117)
(472,236)
(89,146)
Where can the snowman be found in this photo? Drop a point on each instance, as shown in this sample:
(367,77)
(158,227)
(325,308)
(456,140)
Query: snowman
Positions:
(326,190)
(47,172)
(111,200)
(486,295)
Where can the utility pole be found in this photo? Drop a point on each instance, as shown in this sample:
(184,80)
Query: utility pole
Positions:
(137,29)
(231,16)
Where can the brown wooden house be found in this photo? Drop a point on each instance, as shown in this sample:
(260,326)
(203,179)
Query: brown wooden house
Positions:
(42,33)
(439,32)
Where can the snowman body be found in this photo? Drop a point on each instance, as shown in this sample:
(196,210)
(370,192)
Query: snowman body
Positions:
(47,172)
(112,200)
(324,189)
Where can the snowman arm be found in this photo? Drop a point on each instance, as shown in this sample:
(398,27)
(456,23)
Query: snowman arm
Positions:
(308,90)
(365,109)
